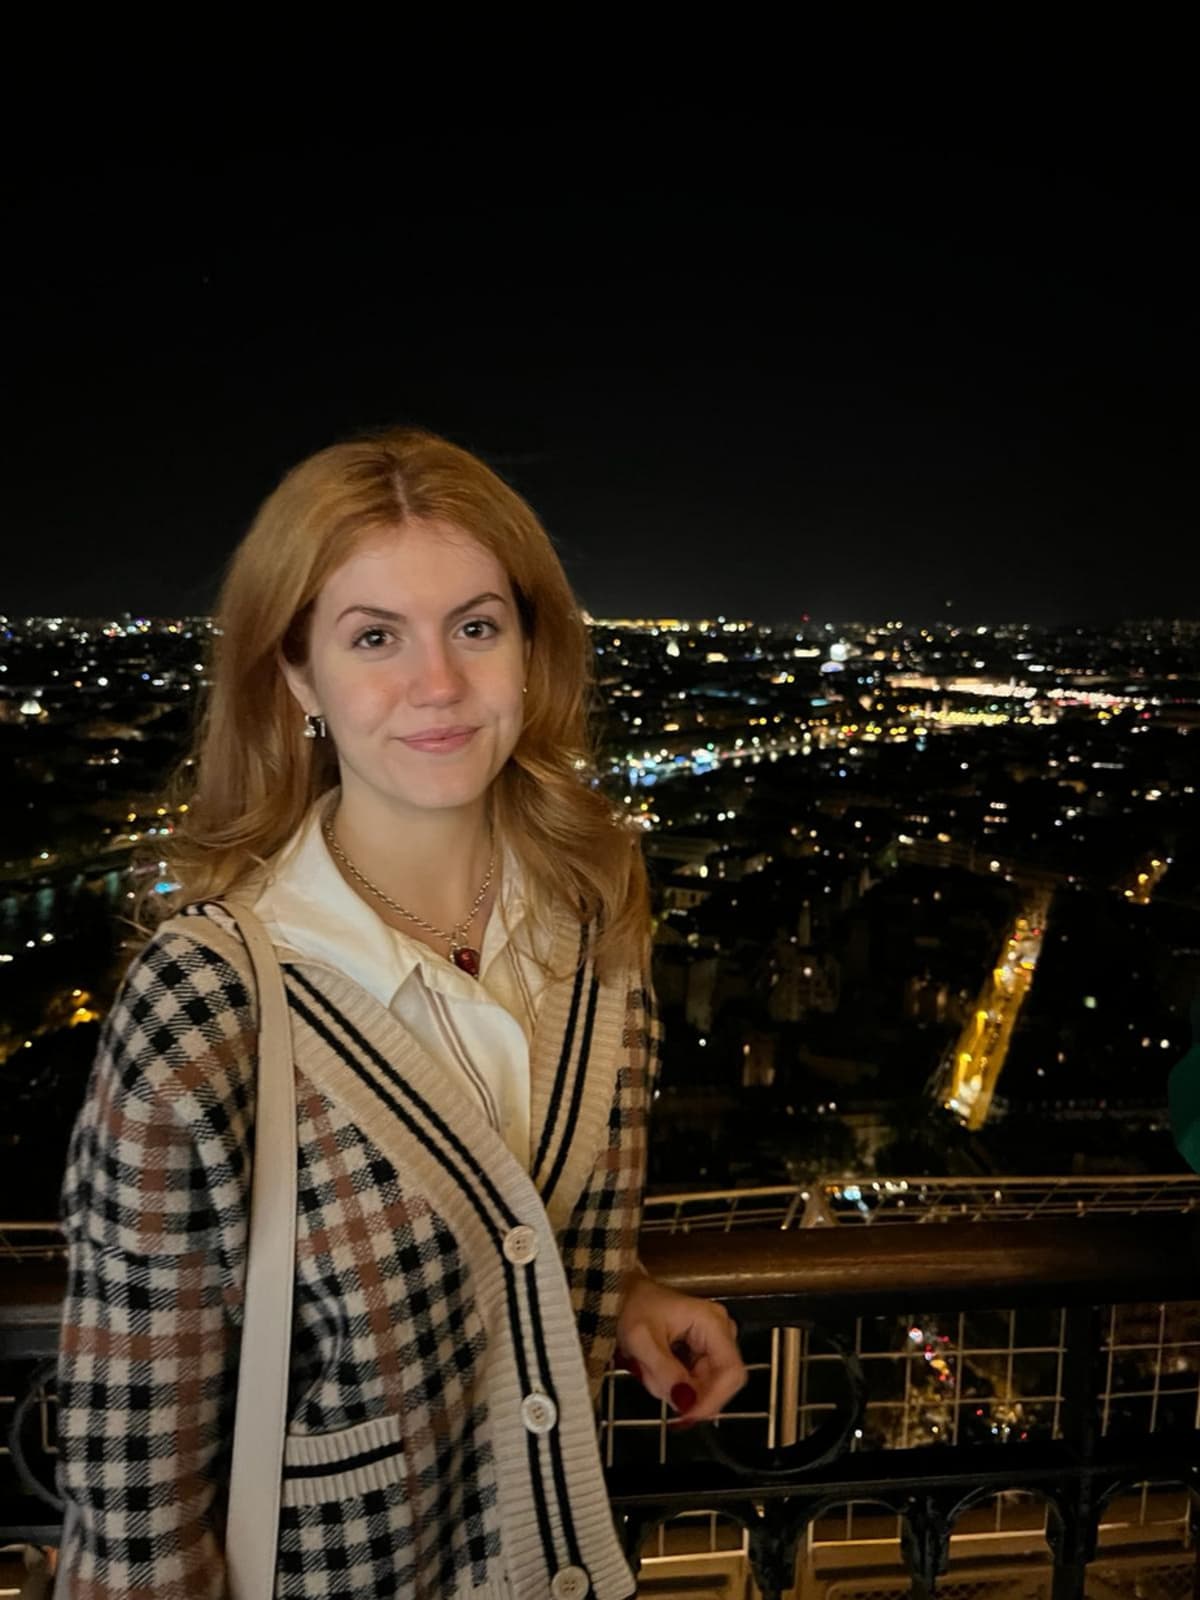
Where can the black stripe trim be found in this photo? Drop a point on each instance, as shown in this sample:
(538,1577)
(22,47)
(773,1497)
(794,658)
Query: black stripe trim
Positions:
(365,1458)
(564,1060)
(585,1047)
(574,1556)
(509,1217)
(536,1476)
(514,1311)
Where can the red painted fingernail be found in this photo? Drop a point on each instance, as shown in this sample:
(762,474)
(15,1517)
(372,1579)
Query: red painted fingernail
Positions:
(683,1397)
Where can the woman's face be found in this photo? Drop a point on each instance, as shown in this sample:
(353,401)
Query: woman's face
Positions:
(417,662)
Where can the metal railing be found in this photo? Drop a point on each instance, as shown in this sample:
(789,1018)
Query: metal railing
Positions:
(1015,1386)
(863,1201)
(1006,1409)
(29,1241)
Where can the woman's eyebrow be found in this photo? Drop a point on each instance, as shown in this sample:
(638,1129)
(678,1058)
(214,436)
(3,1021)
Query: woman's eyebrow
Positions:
(398,616)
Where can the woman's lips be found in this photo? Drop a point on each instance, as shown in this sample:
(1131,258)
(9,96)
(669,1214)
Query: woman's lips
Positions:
(441,743)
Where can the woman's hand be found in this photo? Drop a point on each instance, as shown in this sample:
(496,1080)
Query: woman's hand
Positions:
(684,1350)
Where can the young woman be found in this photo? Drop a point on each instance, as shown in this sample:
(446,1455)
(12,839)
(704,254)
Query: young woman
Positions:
(392,773)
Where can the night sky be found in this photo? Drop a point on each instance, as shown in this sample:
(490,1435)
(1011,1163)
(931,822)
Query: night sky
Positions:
(737,365)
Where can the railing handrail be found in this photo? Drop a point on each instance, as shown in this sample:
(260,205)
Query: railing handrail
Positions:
(857,1202)
(1055,1181)
(1105,1260)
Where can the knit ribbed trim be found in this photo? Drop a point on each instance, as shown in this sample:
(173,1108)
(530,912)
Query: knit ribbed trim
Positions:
(551,1091)
(570,1099)
(319,1467)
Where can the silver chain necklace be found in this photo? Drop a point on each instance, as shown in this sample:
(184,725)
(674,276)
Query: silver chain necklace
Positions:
(463,955)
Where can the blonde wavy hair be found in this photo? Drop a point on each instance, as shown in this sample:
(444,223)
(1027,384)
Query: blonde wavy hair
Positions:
(251,775)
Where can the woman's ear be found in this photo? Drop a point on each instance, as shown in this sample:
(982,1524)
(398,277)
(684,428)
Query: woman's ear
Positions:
(298,682)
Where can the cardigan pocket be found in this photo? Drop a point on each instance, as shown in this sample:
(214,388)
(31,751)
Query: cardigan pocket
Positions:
(318,1467)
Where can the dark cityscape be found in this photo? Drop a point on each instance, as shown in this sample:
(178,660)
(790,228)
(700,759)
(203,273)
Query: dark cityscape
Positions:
(926,896)
(868,456)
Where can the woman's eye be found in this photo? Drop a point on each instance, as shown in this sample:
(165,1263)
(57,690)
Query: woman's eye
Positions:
(371,634)
(481,628)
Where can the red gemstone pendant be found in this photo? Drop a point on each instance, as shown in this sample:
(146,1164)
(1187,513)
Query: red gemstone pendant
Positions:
(466,959)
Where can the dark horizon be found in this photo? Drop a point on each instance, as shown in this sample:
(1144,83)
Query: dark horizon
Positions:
(1098,625)
(736,367)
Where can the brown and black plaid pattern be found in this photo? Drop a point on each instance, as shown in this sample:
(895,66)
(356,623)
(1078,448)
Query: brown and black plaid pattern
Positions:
(153,1212)
(390,1475)
(385,1304)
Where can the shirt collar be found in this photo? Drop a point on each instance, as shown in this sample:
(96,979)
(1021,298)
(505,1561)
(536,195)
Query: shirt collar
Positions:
(316,912)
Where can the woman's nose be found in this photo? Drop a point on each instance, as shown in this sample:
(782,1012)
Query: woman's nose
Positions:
(438,679)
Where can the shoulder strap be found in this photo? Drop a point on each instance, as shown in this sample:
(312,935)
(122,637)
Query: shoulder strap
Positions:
(256,1475)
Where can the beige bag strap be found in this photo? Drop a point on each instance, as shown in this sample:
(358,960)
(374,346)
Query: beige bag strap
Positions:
(260,1424)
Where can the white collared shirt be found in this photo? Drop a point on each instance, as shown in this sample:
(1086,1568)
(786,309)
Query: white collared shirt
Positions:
(477,1030)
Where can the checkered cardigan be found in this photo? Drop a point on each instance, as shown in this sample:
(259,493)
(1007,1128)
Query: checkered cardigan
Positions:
(439,1286)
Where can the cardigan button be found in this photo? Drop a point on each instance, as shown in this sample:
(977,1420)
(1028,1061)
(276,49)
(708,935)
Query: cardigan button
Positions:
(538,1413)
(521,1245)
(569,1583)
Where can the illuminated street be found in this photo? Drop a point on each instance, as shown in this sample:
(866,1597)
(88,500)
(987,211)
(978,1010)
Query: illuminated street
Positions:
(979,1054)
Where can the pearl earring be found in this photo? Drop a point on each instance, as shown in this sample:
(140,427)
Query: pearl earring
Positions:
(314,725)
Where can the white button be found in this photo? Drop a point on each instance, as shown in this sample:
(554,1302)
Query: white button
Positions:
(521,1245)
(569,1583)
(539,1414)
